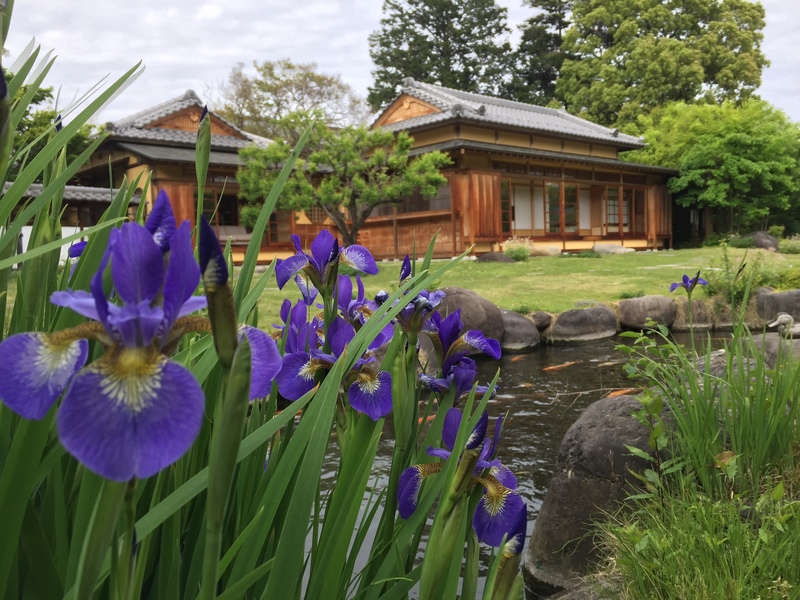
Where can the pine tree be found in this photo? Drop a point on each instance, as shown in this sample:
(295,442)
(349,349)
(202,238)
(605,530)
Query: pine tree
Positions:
(461,44)
(538,59)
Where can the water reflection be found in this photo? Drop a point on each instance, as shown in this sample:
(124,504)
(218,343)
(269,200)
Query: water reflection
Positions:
(543,393)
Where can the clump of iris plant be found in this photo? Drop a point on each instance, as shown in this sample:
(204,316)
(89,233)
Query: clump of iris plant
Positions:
(499,504)
(133,411)
(452,346)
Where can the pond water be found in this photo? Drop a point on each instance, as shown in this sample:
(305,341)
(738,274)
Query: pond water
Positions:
(542,402)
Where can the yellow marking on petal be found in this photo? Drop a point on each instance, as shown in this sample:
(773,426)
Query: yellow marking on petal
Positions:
(368,383)
(309,370)
(52,358)
(131,376)
(494,500)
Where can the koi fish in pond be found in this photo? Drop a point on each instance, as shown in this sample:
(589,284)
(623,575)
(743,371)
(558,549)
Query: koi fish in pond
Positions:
(563,365)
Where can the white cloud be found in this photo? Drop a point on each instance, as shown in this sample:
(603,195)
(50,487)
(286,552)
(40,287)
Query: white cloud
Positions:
(195,44)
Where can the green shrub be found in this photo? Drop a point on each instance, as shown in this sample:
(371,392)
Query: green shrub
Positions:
(738,241)
(523,309)
(732,281)
(714,240)
(790,279)
(790,245)
(777,231)
(248,215)
(517,248)
(628,295)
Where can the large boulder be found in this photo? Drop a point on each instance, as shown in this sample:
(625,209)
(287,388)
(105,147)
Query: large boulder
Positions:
(476,312)
(495,257)
(761,239)
(592,477)
(583,324)
(520,333)
(769,305)
(635,312)
(703,315)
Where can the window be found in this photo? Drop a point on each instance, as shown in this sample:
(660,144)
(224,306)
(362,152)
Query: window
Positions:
(612,209)
(553,208)
(570,209)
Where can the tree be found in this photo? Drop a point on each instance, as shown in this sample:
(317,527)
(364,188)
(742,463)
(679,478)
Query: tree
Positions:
(629,56)
(538,59)
(460,44)
(743,159)
(348,174)
(261,103)
(35,124)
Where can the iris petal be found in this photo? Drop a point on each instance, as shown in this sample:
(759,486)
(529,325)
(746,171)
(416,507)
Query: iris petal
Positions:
(321,249)
(296,375)
(137,265)
(452,421)
(212,262)
(408,486)
(371,394)
(130,415)
(288,268)
(479,433)
(497,511)
(35,372)
(266,361)
(359,258)
(80,301)
(161,221)
(517,533)
(405,269)
(183,273)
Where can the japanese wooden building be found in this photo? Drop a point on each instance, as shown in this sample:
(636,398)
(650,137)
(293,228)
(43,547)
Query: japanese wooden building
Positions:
(520,170)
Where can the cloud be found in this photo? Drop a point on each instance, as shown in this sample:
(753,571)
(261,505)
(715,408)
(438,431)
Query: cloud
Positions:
(193,45)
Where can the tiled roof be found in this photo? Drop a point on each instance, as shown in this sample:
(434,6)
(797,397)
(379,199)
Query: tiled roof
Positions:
(78,193)
(160,152)
(136,127)
(497,111)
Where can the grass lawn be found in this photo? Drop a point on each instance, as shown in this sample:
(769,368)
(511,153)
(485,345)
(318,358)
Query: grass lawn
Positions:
(555,284)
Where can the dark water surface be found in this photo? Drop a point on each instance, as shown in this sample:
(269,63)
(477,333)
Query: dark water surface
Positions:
(541,405)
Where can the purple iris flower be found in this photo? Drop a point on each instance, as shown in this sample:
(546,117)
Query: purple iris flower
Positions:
(368,391)
(76,249)
(325,255)
(516,534)
(499,506)
(451,345)
(688,283)
(414,313)
(133,411)
(354,310)
(301,333)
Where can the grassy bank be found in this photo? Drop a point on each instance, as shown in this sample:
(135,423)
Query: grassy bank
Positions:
(555,283)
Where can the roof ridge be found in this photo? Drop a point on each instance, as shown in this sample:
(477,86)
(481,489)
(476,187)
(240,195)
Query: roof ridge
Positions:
(138,119)
(409,83)
(456,96)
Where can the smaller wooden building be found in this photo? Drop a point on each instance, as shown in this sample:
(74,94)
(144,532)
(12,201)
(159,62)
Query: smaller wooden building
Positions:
(161,141)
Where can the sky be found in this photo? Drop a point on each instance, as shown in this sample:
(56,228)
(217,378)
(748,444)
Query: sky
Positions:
(194,45)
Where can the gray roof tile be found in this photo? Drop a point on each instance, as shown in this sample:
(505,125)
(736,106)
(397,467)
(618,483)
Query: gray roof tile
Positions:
(136,127)
(497,111)
(77,193)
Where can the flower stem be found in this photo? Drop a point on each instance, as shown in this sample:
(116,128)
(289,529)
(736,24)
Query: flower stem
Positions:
(225,441)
